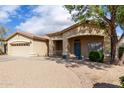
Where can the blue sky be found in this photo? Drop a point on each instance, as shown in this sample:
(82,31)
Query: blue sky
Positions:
(36,19)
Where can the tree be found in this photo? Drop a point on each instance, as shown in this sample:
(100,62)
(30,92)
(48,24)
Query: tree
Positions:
(109,16)
(3,31)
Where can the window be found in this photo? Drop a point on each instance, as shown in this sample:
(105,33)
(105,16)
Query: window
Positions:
(21,44)
(96,46)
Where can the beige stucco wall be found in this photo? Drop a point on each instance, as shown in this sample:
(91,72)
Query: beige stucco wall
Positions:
(51,47)
(40,48)
(36,48)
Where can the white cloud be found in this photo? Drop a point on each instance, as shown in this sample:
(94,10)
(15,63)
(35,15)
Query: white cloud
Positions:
(46,19)
(33,25)
(6,12)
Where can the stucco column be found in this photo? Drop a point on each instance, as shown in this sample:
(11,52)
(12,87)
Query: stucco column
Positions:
(65,48)
(51,47)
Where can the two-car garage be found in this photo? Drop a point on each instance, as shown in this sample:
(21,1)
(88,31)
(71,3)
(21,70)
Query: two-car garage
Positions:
(26,44)
(22,49)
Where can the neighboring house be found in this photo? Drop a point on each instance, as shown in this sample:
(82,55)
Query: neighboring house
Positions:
(121,42)
(79,40)
(27,44)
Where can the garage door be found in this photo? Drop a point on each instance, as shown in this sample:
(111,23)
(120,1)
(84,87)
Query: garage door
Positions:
(20,50)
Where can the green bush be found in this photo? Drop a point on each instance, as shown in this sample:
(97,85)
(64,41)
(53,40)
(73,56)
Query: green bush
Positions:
(120,52)
(122,81)
(96,56)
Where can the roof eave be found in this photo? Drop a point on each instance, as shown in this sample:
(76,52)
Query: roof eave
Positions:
(25,35)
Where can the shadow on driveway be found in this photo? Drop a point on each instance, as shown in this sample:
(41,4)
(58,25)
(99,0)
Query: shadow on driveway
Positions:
(105,85)
(96,65)
(91,65)
(56,59)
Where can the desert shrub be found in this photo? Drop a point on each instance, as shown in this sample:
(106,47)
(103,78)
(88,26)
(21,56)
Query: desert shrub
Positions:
(120,52)
(122,81)
(96,56)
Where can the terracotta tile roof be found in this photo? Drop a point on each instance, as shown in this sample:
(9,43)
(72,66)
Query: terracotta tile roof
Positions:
(45,37)
(29,35)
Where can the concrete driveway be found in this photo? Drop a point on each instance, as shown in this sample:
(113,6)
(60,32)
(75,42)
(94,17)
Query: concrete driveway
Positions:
(35,72)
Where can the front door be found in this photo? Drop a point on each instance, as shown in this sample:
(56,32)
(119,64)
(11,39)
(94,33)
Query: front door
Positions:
(77,49)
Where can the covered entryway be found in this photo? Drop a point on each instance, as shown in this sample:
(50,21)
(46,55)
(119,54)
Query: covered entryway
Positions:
(58,47)
(80,46)
(20,48)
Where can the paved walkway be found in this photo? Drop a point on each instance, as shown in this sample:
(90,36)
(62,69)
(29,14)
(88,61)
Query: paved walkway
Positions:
(35,72)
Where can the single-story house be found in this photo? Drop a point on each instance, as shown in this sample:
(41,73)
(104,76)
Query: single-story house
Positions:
(27,44)
(79,39)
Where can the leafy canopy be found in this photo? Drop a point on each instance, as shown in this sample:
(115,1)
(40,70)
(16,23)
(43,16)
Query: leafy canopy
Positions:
(102,15)
(3,31)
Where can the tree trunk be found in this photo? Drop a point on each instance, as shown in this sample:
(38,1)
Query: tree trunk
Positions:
(114,41)
(114,38)
(113,50)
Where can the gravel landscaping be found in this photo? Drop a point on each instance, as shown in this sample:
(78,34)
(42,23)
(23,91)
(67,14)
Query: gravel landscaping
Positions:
(98,75)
